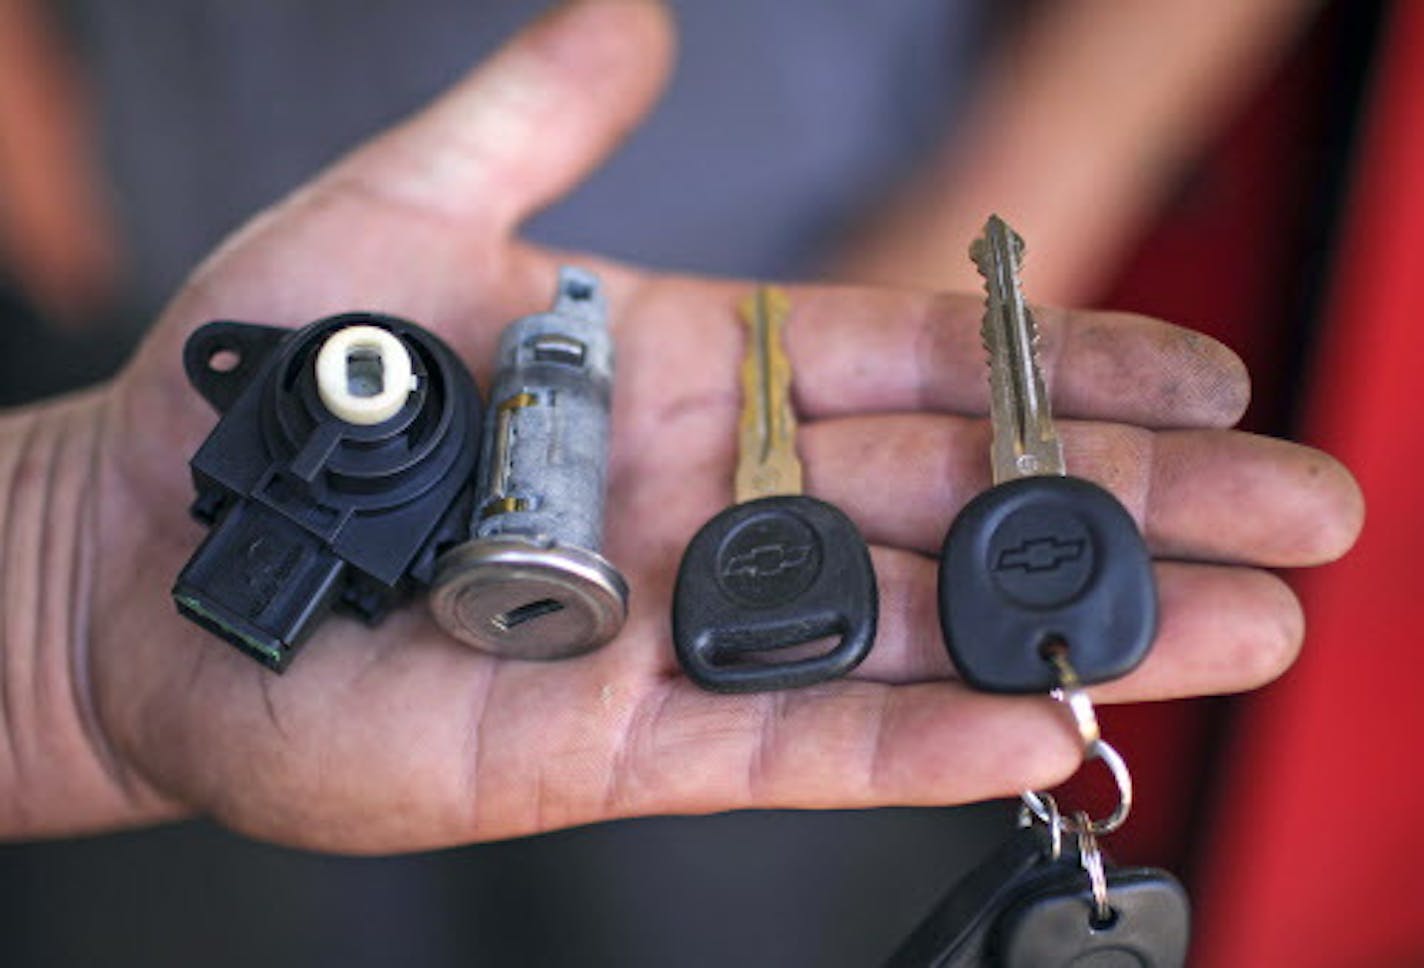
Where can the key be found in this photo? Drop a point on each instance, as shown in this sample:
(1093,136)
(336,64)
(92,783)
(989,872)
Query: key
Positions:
(1040,561)
(1024,908)
(778,569)
(1053,924)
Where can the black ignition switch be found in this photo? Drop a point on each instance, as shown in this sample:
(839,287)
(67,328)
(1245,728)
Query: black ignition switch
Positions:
(342,466)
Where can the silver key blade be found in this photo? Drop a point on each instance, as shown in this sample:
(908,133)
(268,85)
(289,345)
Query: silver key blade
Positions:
(1025,443)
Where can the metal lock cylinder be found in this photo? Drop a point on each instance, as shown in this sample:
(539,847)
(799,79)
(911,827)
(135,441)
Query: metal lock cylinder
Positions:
(531,582)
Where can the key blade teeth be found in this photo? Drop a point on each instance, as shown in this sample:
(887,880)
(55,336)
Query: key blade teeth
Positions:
(1024,439)
(997,240)
(979,254)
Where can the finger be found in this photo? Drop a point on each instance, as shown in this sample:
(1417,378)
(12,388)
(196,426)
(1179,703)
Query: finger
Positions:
(887,350)
(439,745)
(413,222)
(856,351)
(1222,629)
(1212,495)
(838,745)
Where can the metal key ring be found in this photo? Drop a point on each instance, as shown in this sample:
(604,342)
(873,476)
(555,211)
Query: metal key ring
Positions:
(1092,860)
(1084,716)
(1101,750)
(1054,822)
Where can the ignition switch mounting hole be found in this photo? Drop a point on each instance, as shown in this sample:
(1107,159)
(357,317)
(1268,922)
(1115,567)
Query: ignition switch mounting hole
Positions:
(224,359)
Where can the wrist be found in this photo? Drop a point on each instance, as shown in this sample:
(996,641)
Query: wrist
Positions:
(58,773)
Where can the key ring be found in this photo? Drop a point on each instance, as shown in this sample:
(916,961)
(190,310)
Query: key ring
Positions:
(1074,696)
(1101,750)
(1092,860)
(1054,822)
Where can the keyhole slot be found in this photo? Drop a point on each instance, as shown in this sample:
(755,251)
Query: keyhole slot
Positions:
(365,371)
(364,374)
(1053,649)
(516,617)
(1103,924)
(553,348)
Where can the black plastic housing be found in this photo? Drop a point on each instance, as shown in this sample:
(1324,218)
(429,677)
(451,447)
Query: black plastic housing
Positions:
(1041,560)
(1020,908)
(308,511)
(764,577)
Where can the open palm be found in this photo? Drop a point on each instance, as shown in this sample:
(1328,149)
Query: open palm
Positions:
(399,738)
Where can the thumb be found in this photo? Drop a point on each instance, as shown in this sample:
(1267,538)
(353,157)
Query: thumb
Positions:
(391,225)
(529,123)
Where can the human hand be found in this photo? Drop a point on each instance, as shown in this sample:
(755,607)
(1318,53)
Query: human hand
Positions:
(400,738)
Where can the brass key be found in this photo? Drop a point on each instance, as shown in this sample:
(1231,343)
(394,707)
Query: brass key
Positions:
(767,463)
(778,569)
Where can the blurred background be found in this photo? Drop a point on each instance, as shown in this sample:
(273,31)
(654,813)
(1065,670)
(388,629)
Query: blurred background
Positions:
(1250,168)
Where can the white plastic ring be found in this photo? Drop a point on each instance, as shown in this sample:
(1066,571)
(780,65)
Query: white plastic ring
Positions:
(364,374)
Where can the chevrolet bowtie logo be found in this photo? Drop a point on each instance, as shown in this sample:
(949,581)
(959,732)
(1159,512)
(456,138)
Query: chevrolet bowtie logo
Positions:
(767,561)
(1040,554)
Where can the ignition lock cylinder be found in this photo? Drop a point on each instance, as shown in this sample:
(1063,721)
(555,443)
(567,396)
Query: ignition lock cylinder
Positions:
(532,583)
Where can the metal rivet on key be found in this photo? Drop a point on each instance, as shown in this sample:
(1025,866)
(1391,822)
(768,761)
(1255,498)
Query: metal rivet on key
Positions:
(779,569)
(531,583)
(1041,560)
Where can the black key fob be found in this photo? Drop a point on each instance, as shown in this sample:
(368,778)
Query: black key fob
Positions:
(1021,908)
(763,577)
(1053,924)
(1042,560)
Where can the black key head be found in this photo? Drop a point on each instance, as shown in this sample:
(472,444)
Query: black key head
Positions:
(1040,561)
(1054,925)
(763,577)
(1022,909)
